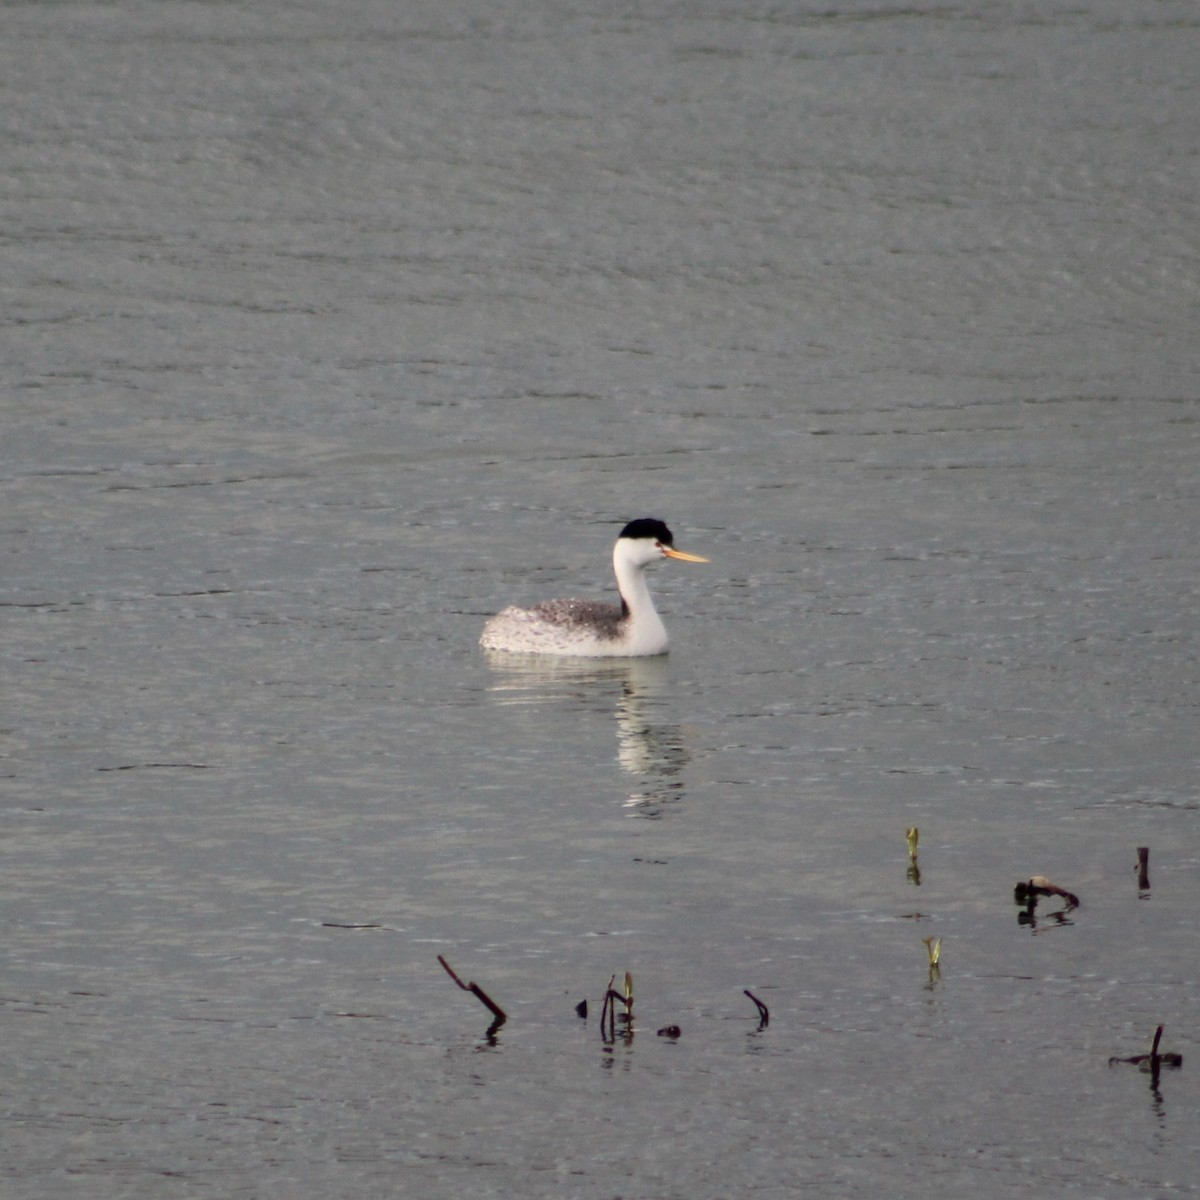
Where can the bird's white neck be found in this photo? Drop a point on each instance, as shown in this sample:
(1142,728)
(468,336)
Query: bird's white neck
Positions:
(646,632)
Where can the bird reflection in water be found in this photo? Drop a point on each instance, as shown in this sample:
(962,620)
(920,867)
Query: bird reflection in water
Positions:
(654,752)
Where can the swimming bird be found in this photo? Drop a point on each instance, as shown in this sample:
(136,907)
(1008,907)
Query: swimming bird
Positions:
(592,628)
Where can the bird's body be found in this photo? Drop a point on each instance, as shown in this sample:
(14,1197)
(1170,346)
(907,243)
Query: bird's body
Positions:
(591,628)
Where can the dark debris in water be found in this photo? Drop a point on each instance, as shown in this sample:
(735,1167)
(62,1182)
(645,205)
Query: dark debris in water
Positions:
(159,766)
(1154,1061)
(1027,893)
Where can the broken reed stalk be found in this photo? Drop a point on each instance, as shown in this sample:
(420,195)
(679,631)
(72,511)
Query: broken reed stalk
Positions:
(476,991)
(764,1015)
(1143,868)
(913,835)
(612,996)
(626,1001)
(608,1012)
(608,994)
(933,946)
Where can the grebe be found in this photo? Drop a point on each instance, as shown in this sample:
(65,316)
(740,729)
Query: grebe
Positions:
(591,628)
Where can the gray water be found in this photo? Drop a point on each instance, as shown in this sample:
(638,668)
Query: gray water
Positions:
(328,330)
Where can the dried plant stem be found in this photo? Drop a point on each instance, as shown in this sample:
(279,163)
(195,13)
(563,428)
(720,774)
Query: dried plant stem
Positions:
(764,1016)
(475,991)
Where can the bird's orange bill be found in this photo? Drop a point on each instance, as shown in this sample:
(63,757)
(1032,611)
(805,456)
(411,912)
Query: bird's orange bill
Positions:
(671,552)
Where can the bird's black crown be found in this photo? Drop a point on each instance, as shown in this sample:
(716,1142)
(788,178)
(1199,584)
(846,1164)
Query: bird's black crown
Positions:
(649,527)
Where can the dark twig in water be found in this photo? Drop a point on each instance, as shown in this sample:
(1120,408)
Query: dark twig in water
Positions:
(478,992)
(764,1016)
(1143,868)
(608,1013)
(604,1008)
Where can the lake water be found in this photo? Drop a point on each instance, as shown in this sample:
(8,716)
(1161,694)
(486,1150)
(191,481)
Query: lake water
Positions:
(329,330)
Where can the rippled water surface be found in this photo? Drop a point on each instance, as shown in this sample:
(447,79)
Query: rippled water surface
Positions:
(327,331)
